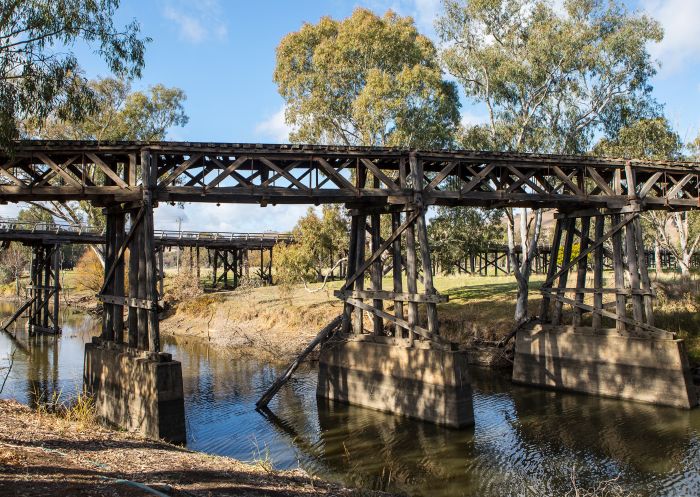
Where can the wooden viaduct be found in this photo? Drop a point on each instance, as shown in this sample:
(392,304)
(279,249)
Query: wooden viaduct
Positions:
(227,253)
(598,203)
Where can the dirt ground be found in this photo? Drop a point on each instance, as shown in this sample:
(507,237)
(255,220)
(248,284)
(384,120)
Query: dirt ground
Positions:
(45,455)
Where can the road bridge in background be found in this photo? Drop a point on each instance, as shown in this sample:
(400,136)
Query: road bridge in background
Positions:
(593,335)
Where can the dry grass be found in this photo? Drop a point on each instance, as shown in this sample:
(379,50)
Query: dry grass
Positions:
(43,454)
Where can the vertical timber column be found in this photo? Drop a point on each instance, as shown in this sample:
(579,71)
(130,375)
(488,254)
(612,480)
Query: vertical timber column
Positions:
(150,173)
(582,268)
(56,284)
(46,288)
(569,225)
(598,268)
(417,172)
(134,259)
(399,331)
(352,264)
(109,255)
(376,276)
(551,271)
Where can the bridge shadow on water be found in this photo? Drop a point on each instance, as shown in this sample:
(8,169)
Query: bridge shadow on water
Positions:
(525,440)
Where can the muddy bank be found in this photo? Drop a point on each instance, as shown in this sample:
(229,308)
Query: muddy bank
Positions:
(273,324)
(43,454)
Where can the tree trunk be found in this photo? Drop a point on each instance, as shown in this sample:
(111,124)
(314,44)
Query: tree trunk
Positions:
(657,256)
(521,312)
(523,269)
(685,264)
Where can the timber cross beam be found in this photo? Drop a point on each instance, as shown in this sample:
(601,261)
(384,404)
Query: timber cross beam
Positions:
(131,178)
(108,172)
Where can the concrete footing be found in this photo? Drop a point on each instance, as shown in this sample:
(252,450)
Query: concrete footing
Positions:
(136,390)
(421,383)
(640,369)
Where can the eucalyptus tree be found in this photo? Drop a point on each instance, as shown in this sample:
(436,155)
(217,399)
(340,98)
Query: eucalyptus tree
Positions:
(677,232)
(365,80)
(118,114)
(39,70)
(551,78)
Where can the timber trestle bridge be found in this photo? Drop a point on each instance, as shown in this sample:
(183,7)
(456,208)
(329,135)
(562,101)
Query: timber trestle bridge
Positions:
(593,330)
(227,254)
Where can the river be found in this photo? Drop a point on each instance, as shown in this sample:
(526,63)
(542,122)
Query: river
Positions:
(525,441)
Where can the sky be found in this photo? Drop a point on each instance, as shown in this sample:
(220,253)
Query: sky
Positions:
(222,54)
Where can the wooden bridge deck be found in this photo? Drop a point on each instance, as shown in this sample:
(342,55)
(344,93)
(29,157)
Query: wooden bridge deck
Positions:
(312,174)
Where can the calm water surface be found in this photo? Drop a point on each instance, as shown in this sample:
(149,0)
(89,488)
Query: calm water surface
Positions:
(525,441)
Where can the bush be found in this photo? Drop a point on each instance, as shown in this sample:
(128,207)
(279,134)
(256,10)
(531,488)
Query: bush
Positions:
(89,272)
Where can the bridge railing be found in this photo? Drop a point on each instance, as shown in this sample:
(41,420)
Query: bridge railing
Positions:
(8,225)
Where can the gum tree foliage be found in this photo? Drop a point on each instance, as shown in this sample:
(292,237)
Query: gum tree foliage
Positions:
(118,114)
(550,79)
(365,80)
(677,232)
(319,242)
(39,71)
(456,232)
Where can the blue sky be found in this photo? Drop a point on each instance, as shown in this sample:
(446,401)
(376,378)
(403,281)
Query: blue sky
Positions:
(222,54)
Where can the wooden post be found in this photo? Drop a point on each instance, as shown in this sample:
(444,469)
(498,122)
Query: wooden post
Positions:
(376,275)
(633,267)
(399,332)
(551,270)
(644,273)
(56,284)
(598,268)
(198,265)
(570,223)
(118,317)
(352,265)
(581,270)
(134,262)
(150,291)
(47,287)
(357,323)
(619,270)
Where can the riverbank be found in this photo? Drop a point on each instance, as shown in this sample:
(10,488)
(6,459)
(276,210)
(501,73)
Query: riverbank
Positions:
(44,454)
(278,322)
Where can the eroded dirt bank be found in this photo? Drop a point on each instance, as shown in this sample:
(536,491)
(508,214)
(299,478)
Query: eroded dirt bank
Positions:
(43,454)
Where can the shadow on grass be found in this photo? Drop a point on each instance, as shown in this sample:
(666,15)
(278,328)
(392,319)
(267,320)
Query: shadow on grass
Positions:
(485,291)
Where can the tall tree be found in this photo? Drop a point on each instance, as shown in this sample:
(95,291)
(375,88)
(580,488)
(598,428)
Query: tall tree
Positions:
(550,80)
(119,114)
(677,232)
(365,80)
(36,78)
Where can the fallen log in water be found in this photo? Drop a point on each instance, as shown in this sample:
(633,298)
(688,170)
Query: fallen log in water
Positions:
(322,335)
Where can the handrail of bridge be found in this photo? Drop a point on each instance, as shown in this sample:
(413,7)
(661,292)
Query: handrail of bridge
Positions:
(8,225)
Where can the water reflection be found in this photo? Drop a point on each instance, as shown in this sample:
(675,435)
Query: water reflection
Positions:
(525,442)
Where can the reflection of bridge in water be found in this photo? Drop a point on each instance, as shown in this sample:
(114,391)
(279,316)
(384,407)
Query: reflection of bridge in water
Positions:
(593,335)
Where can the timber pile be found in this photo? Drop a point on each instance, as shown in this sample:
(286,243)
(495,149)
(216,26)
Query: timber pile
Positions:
(279,382)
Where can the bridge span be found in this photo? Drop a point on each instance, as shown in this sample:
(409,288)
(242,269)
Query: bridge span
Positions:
(596,334)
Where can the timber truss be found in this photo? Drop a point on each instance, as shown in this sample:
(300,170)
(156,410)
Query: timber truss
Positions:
(130,178)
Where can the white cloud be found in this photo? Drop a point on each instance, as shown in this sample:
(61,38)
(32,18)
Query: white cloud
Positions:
(197,21)
(681,43)
(469,119)
(274,128)
(229,217)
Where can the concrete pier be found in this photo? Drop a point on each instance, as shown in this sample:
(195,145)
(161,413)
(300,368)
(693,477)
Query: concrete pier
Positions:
(136,390)
(417,382)
(648,370)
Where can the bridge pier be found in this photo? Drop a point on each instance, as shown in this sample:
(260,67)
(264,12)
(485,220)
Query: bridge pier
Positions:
(136,387)
(387,356)
(598,336)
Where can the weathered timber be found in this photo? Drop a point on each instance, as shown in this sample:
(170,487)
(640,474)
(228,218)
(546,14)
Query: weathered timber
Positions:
(322,335)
